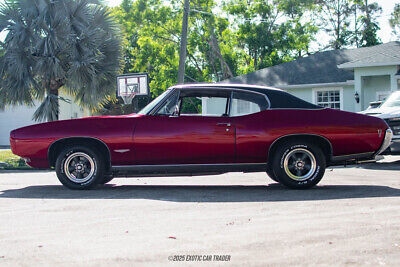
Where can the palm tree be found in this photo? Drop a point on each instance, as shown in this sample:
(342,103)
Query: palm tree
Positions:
(53,44)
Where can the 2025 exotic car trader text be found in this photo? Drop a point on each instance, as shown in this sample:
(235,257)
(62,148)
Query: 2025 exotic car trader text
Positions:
(205,129)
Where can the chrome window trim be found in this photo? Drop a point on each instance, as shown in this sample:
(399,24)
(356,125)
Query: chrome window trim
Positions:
(252,92)
(158,106)
(229,89)
(174,89)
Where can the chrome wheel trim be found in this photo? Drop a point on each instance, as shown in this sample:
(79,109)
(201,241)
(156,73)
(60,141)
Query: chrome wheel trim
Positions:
(300,164)
(79,167)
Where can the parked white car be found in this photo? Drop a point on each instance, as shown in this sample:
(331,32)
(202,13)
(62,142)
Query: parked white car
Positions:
(389,110)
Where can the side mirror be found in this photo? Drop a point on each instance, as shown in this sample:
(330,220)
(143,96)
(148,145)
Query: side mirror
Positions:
(176,112)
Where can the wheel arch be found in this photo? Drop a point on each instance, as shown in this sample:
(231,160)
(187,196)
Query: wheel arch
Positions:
(57,146)
(319,140)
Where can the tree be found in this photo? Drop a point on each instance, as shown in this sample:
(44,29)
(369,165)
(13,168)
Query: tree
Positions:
(152,37)
(211,43)
(69,44)
(366,25)
(151,40)
(271,32)
(336,21)
(395,19)
(219,45)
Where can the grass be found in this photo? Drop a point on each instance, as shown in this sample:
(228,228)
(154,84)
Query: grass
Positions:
(13,162)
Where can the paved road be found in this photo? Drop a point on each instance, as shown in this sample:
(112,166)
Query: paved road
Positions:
(352,218)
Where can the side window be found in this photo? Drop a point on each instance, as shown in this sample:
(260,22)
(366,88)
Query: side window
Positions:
(215,106)
(169,107)
(191,105)
(247,103)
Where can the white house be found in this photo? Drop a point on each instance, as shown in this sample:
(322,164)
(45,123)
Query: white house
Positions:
(347,79)
(13,117)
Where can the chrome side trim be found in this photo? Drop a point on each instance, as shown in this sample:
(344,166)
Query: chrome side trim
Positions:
(121,150)
(191,168)
(387,140)
(353,156)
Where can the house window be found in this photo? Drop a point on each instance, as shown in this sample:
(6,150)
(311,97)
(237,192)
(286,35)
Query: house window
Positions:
(328,99)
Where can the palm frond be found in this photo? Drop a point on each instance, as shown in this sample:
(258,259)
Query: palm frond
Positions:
(48,110)
(51,44)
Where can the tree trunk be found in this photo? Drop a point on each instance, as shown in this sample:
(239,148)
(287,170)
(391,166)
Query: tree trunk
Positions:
(214,44)
(182,51)
(367,13)
(55,85)
(55,93)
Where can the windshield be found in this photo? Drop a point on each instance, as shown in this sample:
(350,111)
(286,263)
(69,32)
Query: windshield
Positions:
(153,103)
(392,101)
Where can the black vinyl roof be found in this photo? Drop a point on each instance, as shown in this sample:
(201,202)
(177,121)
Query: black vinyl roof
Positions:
(279,99)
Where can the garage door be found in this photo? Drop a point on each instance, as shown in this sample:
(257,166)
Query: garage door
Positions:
(12,118)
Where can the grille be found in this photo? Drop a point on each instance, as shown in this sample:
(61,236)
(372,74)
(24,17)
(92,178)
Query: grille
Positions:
(394,125)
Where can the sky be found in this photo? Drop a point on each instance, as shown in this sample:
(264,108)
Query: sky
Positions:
(385,32)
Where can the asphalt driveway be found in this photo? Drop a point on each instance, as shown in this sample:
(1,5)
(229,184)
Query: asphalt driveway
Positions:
(351,218)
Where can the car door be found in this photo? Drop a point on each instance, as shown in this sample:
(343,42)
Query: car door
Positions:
(191,127)
(249,112)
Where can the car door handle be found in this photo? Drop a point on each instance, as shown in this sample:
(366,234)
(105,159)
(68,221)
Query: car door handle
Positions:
(227,124)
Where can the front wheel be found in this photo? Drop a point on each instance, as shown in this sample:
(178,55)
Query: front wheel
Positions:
(271,174)
(299,165)
(79,167)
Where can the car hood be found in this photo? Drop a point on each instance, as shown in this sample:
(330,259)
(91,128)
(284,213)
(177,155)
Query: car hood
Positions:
(82,126)
(383,113)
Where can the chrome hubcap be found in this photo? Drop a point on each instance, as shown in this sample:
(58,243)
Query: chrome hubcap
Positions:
(79,167)
(300,164)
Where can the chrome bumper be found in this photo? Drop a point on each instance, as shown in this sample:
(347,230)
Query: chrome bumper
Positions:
(386,141)
(396,138)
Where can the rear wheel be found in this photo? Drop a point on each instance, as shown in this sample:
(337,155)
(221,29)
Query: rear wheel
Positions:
(106,179)
(79,167)
(299,165)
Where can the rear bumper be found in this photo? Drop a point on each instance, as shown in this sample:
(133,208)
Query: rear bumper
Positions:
(363,157)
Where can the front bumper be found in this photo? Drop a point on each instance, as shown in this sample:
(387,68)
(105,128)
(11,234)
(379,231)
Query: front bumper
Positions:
(396,138)
(387,140)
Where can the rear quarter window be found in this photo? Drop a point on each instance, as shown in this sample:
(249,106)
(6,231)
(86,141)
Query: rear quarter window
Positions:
(244,103)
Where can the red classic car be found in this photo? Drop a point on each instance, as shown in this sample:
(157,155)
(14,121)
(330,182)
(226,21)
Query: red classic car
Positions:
(205,129)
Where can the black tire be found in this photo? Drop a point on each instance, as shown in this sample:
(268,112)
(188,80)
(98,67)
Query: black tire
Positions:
(86,167)
(271,174)
(106,179)
(299,165)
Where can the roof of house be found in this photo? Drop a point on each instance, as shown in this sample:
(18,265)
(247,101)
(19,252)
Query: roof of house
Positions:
(323,67)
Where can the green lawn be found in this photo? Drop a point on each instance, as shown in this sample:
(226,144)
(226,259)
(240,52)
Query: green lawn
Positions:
(13,162)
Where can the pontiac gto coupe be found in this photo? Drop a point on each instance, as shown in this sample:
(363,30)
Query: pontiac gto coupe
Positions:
(205,129)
